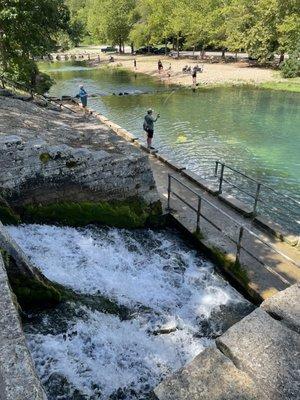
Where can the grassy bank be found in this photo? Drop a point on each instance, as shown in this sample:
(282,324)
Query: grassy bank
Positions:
(291,85)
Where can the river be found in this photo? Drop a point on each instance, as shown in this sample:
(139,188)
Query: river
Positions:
(255,131)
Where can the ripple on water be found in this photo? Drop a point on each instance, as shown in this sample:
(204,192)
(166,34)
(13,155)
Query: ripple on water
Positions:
(85,354)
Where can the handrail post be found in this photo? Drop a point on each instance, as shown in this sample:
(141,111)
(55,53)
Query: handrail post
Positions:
(169,192)
(239,245)
(198,215)
(221,178)
(256,198)
(216,168)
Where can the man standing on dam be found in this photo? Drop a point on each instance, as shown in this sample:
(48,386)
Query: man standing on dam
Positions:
(148,126)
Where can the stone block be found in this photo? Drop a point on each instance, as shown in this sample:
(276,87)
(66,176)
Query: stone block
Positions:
(210,376)
(267,351)
(285,306)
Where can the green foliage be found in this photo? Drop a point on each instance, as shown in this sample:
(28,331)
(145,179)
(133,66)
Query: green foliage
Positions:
(122,214)
(110,21)
(27,30)
(290,68)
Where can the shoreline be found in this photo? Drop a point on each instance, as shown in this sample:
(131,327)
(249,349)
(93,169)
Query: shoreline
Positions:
(214,75)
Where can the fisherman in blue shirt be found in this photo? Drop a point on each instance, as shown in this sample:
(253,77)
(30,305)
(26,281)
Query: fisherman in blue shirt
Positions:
(83,97)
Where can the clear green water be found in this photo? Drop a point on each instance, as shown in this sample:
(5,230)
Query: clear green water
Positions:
(255,131)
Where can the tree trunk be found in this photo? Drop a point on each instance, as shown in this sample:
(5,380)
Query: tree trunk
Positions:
(132,47)
(281,58)
(202,52)
(177,45)
(223,53)
(120,46)
(194,50)
(123,45)
(165,47)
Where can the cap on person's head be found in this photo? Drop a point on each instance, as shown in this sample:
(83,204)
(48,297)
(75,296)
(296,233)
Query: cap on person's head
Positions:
(149,111)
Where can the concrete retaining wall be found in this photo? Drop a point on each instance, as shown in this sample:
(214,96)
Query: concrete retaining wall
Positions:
(36,172)
(18,380)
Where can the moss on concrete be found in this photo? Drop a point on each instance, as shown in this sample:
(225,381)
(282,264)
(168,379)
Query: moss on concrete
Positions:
(231,266)
(7,215)
(45,157)
(31,291)
(132,213)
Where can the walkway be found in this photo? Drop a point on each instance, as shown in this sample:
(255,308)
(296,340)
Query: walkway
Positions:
(265,281)
(280,262)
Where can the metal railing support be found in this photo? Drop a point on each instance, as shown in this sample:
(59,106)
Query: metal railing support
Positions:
(169,192)
(216,168)
(221,178)
(198,215)
(256,198)
(239,245)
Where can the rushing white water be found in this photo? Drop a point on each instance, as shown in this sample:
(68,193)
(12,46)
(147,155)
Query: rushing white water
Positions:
(155,275)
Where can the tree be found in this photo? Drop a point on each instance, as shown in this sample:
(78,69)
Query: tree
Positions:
(110,20)
(27,29)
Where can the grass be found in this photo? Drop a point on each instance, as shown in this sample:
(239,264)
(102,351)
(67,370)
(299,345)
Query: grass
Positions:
(291,85)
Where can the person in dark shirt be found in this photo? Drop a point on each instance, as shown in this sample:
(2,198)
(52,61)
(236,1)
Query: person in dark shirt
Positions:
(134,64)
(149,127)
(194,76)
(159,66)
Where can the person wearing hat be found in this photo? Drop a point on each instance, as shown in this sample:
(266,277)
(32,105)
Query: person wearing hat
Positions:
(148,126)
(83,97)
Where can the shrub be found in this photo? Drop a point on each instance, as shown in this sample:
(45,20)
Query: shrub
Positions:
(290,68)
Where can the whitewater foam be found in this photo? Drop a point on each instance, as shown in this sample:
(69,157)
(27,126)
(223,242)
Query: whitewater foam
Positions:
(153,273)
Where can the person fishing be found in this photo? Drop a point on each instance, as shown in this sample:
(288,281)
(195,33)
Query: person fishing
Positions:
(194,75)
(83,97)
(148,127)
(160,66)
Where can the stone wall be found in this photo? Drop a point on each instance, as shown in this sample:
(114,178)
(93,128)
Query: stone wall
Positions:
(36,172)
(18,380)
(49,157)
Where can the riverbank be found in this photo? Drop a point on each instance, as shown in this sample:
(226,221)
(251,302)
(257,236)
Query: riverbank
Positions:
(216,74)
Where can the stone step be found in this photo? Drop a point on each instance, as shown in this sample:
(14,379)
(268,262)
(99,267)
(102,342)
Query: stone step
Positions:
(268,351)
(210,376)
(285,306)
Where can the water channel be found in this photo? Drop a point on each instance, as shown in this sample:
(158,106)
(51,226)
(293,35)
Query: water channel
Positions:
(255,131)
(152,304)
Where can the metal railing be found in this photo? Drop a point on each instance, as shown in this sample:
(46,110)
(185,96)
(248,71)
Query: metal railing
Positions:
(28,89)
(241,229)
(257,197)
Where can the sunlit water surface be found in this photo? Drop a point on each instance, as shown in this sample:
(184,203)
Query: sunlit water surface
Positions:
(255,131)
(81,352)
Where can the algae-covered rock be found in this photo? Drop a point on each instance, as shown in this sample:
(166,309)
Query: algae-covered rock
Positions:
(132,213)
(7,215)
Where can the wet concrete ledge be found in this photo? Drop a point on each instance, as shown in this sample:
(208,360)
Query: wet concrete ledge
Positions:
(18,380)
